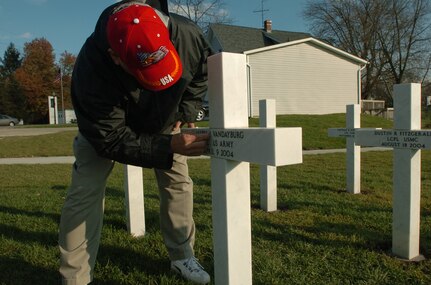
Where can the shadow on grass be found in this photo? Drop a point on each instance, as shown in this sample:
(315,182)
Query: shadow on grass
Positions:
(114,192)
(116,220)
(335,207)
(334,235)
(307,186)
(128,260)
(14,233)
(138,260)
(27,273)
(35,214)
(198,181)
(59,187)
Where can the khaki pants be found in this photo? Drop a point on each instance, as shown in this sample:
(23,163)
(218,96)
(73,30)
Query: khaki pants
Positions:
(82,213)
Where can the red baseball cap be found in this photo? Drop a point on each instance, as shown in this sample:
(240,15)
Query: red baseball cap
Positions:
(141,39)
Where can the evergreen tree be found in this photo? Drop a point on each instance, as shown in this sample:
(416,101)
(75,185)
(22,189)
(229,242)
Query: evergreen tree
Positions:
(10,62)
(12,100)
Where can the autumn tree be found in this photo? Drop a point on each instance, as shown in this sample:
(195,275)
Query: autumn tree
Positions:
(202,12)
(11,97)
(392,35)
(36,77)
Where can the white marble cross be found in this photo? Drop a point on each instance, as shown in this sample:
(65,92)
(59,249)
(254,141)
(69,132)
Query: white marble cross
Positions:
(230,174)
(232,146)
(407,139)
(268,173)
(134,200)
(353,151)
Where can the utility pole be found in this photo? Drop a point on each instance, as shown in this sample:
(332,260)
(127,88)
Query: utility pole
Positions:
(262,11)
(62,97)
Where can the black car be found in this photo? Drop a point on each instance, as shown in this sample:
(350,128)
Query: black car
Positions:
(203,113)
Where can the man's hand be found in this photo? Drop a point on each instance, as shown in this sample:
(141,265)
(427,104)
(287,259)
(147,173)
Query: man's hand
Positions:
(189,144)
(179,124)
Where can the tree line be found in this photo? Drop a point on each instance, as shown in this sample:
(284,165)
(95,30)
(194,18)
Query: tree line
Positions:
(27,80)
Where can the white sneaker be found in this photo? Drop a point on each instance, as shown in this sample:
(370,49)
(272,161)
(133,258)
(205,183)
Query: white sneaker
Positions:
(191,270)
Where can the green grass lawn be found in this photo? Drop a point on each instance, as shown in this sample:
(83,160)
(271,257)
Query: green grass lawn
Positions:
(319,235)
(314,133)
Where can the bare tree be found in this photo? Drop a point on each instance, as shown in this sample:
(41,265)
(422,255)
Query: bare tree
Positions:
(405,40)
(392,35)
(202,12)
(65,67)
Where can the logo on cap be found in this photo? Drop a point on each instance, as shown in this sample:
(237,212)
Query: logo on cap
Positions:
(147,59)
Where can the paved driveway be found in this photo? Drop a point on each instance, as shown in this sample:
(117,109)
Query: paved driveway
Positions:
(23,131)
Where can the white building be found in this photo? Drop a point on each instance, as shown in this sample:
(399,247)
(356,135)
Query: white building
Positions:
(304,75)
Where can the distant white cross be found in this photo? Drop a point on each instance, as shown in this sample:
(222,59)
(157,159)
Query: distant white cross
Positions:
(268,173)
(353,151)
(407,139)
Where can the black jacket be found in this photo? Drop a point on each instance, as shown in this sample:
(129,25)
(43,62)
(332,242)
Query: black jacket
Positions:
(124,122)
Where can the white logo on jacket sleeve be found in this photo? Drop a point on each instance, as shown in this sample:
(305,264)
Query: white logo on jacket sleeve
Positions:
(166,80)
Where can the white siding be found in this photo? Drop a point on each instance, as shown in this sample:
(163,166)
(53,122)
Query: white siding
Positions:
(303,79)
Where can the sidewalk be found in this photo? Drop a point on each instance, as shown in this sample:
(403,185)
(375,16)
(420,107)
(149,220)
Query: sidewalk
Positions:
(71,159)
(39,160)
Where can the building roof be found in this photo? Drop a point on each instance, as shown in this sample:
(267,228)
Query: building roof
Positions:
(239,39)
(314,42)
